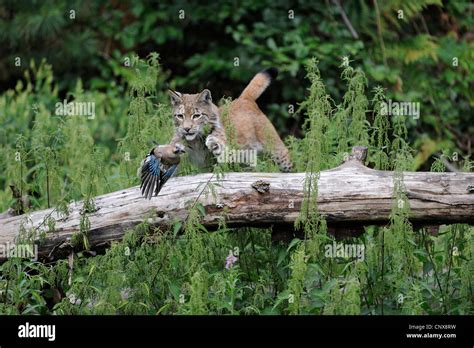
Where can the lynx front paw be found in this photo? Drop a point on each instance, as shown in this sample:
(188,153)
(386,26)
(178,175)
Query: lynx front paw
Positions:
(214,145)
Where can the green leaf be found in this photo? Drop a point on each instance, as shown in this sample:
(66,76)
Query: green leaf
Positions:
(427,267)
(177,225)
(201,209)
(175,291)
(293,243)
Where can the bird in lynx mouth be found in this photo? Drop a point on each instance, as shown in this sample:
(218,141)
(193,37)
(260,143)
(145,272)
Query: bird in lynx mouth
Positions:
(198,124)
(158,166)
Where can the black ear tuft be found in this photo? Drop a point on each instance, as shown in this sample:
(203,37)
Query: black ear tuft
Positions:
(175,97)
(205,96)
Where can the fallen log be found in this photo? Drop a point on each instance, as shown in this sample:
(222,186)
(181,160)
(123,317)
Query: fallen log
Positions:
(348,195)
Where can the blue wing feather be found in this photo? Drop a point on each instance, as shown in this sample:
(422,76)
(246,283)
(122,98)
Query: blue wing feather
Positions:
(169,173)
(154,175)
(150,176)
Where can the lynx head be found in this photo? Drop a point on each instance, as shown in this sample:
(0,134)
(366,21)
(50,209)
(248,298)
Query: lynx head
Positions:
(193,114)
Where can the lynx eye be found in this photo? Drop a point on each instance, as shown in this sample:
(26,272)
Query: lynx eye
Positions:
(179,116)
(196,116)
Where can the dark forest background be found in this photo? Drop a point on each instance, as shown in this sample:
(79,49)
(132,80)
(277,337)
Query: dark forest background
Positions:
(420,51)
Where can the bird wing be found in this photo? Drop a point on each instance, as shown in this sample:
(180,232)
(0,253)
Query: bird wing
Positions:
(154,175)
(168,174)
(150,176)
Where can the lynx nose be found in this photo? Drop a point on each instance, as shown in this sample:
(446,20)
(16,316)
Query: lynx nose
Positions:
(186,129)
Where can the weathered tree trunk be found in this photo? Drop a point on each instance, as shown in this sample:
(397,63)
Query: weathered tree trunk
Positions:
(349,195)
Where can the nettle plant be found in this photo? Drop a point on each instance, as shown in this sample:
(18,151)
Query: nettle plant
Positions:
(188,270)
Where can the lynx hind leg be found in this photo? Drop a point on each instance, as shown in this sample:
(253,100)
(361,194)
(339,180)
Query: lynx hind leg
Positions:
(274,146)
(281,157)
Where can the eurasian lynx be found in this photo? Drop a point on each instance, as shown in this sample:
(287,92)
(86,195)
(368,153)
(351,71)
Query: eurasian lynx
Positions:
(200,127)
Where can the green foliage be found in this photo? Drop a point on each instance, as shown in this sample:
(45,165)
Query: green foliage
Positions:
(420,51)
(59,159)
(296,282)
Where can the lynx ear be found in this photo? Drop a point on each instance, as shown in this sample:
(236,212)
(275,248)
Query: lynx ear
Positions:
(175,97)
(205,96)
